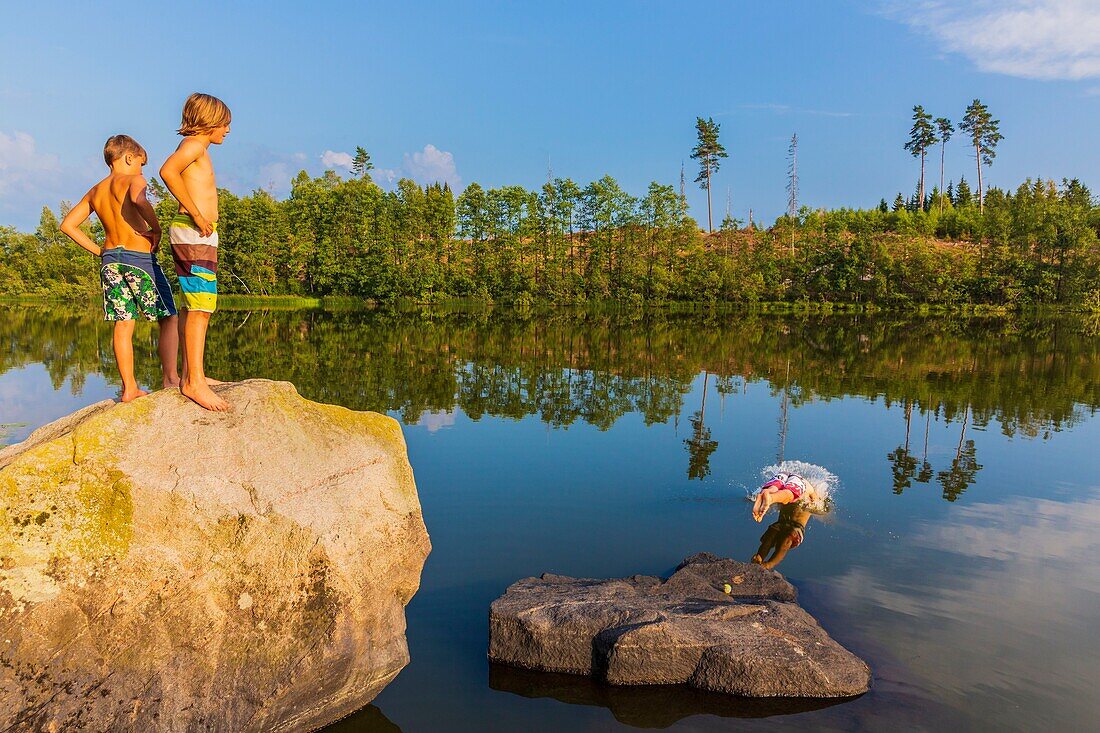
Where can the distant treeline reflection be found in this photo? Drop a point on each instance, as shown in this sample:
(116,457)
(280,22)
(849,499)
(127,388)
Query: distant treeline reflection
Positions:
(1030,375)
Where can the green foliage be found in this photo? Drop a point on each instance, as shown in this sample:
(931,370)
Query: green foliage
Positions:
(361,164)
(983,130)
(922,135)
(565,243)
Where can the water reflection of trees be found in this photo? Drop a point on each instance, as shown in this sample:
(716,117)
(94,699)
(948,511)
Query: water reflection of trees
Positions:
(1032,376)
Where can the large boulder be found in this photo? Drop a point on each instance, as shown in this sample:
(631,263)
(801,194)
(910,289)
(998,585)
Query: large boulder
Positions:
(753,641)
(167,568)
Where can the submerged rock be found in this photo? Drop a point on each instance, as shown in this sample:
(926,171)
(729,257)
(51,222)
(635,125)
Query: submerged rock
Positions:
(754,641)
(167,568)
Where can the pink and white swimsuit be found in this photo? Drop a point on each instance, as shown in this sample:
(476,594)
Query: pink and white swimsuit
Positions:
(792,482)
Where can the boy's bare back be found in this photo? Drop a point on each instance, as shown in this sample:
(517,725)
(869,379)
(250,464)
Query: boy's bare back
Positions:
(112,200)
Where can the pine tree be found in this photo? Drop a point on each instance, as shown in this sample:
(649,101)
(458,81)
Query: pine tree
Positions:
(984,132)
(883,206)
(944,127)
(709,152)
(361,163)
(899,202)
(963,196)
(921,136)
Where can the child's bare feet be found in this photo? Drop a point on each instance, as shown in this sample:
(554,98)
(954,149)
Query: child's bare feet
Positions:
(129,395)
(759,506)
(203,396)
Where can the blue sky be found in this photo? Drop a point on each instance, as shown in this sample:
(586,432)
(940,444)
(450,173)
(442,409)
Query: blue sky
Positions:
(490,91)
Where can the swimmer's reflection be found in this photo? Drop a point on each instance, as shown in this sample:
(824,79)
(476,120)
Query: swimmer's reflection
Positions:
(782,535)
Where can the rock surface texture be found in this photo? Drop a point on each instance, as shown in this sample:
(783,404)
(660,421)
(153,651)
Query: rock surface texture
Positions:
(755,641)
(164,568)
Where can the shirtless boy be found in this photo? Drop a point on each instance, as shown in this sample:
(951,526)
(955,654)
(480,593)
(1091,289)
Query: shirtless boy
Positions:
(783,488)
(133,284)
(189,175)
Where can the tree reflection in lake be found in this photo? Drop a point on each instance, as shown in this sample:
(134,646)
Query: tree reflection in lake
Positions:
(700,445)
(1033,376)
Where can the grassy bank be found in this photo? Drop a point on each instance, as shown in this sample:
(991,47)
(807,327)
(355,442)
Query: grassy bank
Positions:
(475,305)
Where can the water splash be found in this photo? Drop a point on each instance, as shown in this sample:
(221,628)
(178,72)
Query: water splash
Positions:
(824,482)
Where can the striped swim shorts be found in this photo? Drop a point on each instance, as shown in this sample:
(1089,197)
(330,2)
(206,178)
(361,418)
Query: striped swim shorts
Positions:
(196,259)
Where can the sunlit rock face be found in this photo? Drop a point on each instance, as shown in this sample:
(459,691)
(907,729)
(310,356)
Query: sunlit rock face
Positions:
(167,568)
(715,624)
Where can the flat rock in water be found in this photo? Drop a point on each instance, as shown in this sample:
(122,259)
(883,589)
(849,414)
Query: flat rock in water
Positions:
(165,568)
(755,641)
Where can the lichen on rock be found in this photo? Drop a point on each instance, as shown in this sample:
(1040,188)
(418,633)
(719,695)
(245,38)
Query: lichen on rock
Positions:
(163,567)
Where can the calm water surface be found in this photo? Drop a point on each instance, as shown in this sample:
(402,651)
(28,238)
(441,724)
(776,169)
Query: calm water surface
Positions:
(960,558)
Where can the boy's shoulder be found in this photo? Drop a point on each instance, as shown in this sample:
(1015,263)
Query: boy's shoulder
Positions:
(191,142)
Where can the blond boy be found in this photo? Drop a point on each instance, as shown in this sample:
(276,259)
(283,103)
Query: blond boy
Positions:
(189,175)
(133,284)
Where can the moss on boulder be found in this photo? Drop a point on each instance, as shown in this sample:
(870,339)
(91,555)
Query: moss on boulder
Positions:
(163,567)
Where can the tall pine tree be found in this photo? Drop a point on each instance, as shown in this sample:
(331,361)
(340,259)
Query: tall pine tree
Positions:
(361,163)
(921,136)
(984,133)
(709,152)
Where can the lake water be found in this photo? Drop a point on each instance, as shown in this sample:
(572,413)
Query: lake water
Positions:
(959,559)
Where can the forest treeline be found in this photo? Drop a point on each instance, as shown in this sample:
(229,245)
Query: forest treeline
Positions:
(567,243)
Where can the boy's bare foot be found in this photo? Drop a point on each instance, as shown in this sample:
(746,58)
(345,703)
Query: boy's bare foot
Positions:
(210,381)
(131,395)
(170,383)
(203,396)
(758,506)
(757,559)
(767,499)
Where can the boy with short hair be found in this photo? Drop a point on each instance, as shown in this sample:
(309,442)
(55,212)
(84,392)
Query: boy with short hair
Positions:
(189,175)
(133,284)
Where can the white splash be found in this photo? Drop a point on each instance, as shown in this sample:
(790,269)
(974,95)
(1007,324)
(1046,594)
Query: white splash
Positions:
(824,482)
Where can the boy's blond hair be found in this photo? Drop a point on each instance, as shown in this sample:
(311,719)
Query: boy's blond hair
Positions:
(119,145)
(202,113)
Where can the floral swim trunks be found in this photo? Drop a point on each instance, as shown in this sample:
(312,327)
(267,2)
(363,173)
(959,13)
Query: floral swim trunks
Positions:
(134,286)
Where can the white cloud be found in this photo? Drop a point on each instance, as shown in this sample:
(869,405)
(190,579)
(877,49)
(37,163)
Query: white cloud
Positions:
(432,165)
(275,178)
(1033,39)
(30,179)
(434,420)
(332,159)
(387,175)
(996,587)
(21,165)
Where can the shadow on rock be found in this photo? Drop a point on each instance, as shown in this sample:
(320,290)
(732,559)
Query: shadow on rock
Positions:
(646,706)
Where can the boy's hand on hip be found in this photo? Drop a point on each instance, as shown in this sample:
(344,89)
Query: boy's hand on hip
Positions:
(204,225)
